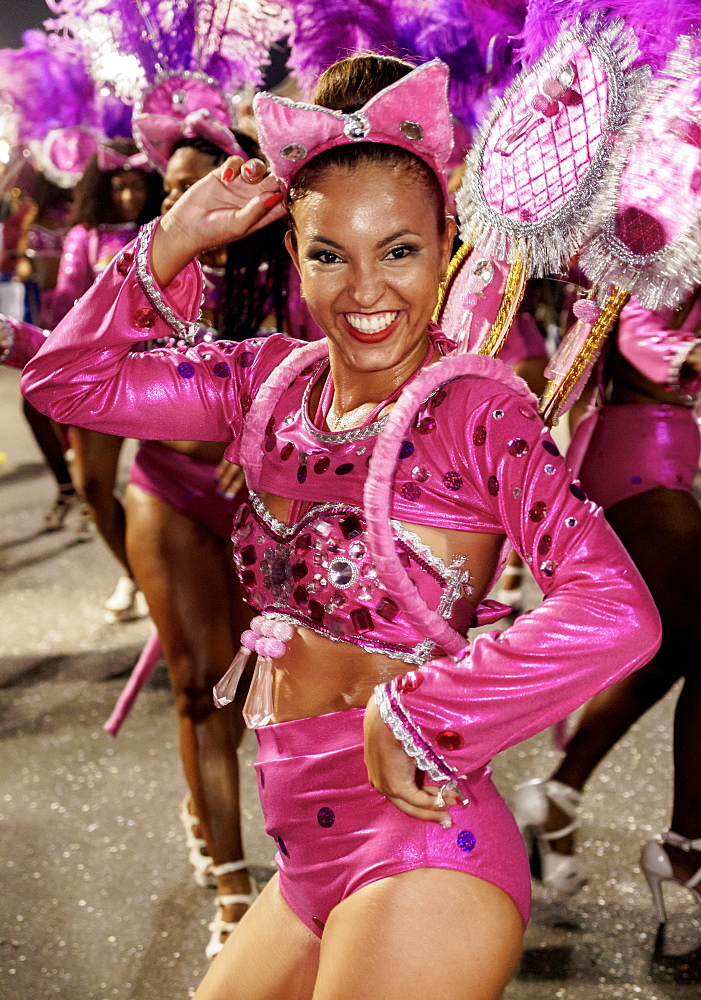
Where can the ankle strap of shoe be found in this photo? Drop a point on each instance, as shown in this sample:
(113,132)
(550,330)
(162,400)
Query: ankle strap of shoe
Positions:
(229,867)
(683,843)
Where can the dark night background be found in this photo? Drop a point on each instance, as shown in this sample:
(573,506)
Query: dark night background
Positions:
(18,16)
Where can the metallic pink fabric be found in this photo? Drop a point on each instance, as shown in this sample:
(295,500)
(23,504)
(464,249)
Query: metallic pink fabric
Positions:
(646,339)
(636,447)
(86,254)
(336,834)
(490,466)
(186,484)
(19,341)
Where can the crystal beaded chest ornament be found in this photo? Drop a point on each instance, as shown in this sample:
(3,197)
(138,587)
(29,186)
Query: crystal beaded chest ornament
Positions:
(543,154)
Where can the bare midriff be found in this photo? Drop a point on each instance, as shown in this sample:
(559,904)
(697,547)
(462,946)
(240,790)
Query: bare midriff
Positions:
(318,675)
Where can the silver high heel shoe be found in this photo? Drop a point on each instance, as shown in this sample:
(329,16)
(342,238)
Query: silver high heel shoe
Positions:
(657,868)
(560,873)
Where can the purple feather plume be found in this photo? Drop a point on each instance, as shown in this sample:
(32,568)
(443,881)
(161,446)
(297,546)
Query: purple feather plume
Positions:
(325,32)
(29,73)
(656,26)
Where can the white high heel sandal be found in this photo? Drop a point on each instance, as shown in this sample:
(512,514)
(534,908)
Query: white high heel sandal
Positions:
(560,873)
(219,926)
(200,861)
(657,868)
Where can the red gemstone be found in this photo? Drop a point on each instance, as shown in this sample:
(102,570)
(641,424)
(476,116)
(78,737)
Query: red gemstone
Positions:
(361,620)
(387,609)
(303,543)
(448,739)
(124,264)
(518,447)
(248,578)
(300,595)
(544,545)
(409,682)
(299,570)
(286,451)
(350,526)
(144,319)
(316,611)
(538,510)
(248,555)
(480,435)
(321,465)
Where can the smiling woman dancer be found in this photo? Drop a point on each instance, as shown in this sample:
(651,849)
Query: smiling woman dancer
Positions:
(384,478)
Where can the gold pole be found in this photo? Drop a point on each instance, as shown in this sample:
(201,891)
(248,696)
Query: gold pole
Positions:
(556,392)
(511,299)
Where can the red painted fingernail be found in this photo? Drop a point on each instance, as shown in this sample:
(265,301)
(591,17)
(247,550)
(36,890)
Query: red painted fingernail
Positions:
(228,175)
(272,199)
(248,169)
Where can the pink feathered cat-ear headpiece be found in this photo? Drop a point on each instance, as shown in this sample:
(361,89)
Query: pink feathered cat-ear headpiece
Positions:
(412,113)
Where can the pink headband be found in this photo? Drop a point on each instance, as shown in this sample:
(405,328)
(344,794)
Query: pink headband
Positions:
(412,113)
(110,159)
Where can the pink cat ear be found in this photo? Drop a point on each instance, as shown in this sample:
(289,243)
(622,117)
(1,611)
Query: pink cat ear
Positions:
(412,113)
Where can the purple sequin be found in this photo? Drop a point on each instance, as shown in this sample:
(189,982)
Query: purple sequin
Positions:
(577,491)
(636,480)
(551,447)
(406,449)
(479,435)
(270,442)
(270,426)
(302,474)
(410,491)
(344,469)
(283,848)
(453,480)
(186,370)
(466,841)
(286,451)
(245,359)
(437,398)
(326,817)
(493,486)
(222,370)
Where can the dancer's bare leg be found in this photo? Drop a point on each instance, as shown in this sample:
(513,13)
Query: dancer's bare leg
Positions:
(95,466)
(426,933)
(186,574)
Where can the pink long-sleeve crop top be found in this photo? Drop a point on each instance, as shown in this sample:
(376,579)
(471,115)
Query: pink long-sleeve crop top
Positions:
(472,456)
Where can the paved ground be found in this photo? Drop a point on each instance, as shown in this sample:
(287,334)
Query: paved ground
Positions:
(97,899)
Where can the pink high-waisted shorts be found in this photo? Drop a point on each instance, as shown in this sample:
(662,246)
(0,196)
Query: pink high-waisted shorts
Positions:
(636,447)
(335,833)
(186,484)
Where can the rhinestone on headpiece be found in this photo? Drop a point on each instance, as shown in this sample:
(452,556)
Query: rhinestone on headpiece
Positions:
(411,130)
(484,270)
(294,151)
(179,99)
(357,125)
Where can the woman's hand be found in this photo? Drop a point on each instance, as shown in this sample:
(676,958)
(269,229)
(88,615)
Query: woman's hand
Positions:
(393,773)
(231,478)
(229,203)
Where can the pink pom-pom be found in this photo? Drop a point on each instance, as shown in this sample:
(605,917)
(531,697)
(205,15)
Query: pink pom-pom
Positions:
(586,310)
(274,648)
(249,639)
(258,624)
(283,631)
